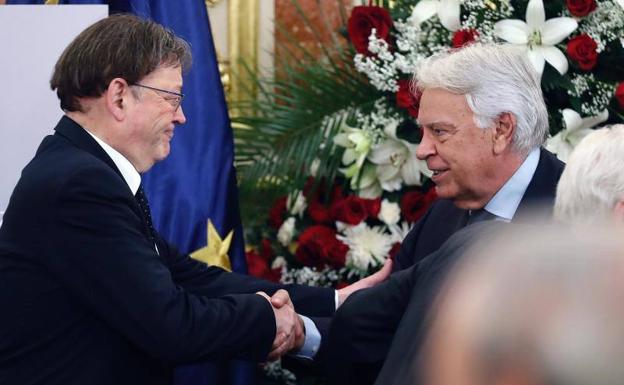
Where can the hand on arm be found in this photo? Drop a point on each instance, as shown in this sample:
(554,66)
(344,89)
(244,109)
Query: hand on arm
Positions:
(370,281)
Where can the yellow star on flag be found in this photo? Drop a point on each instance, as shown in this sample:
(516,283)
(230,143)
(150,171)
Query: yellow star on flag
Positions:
(215,253)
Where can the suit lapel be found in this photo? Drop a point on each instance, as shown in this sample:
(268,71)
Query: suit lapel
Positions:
(78,136)
(543,186)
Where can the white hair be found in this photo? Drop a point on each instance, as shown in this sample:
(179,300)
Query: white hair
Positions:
(495,79)
(593,180)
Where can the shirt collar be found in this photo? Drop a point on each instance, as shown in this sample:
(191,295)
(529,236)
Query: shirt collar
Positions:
(506,201)
(127,170)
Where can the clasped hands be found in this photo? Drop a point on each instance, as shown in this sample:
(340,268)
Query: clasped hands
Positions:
(290,334)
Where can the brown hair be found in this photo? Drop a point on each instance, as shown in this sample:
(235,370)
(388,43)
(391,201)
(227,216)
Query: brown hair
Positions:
(121,45)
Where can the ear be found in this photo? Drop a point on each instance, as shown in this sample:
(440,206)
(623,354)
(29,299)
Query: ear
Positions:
(117,98)
(503,131)
(618,212)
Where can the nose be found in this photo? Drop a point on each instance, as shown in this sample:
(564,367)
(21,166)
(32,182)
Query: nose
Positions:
(426,148)
(179,117)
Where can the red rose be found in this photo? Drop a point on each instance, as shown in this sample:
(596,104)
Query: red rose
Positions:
(363,19)
(407,99)
(351,210)
(580,8)
(373,206)
(318,247)
(582,50)
(414,204)
(336,194)
(258,266)
(619,95)
(276,214)
(319,213)
(464,37)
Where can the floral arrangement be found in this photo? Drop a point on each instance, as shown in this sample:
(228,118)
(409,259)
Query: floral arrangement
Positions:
(329,231)
(331,235)
(331,238)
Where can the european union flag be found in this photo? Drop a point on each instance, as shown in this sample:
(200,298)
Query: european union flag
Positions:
(197,181)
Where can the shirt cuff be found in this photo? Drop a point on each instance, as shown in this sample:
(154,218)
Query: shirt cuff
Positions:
(312,341)
(336,299)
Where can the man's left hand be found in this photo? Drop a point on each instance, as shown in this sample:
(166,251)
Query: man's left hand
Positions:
(370,281)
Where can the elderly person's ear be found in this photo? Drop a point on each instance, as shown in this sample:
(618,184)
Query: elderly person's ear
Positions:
(502,135)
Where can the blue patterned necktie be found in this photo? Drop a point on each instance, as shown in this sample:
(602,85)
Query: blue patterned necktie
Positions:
(147,216)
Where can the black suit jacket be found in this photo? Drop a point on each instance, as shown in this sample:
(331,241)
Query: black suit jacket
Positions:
(85,298)
(363,328)
(443,219)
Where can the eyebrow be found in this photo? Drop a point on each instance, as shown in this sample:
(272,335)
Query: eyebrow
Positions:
(441,123)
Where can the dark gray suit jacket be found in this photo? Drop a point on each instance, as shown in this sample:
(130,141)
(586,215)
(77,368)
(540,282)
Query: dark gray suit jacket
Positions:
(365,325)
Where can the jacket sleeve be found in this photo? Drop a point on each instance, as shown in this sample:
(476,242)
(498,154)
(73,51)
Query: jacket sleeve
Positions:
(211,281)
(361,331)
(98,252)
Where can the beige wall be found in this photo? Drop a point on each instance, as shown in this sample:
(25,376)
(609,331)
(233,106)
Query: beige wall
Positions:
(242,29)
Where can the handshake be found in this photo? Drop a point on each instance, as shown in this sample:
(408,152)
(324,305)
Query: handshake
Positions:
(290,334)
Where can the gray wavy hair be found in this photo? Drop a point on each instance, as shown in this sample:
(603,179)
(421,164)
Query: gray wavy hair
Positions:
(495,78)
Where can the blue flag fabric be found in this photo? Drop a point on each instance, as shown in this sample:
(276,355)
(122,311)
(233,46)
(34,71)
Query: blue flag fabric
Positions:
(197,181)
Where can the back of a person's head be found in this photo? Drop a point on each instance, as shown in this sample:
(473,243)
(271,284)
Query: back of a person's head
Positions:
(543,302)
(495,78)
(592,183)
(123,46)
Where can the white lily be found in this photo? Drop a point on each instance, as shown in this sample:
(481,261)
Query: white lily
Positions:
(396,161)
(539,35)
(357,144)
(576,129)
(447,11)
(367,185)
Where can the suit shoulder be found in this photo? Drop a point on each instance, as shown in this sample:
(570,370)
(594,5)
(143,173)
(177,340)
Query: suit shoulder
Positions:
(58,162)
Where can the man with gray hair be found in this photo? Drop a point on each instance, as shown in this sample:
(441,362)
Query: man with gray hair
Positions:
(546,311)
(591,188)
(483,120)
(547,308)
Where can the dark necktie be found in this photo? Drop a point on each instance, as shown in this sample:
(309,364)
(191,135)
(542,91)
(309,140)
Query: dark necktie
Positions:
(475,216)
(147,216)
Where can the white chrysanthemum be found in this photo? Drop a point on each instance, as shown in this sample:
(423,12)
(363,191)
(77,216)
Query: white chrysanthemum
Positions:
(286,232)
(398,232)
(296,203)
(368,246)
(390,212)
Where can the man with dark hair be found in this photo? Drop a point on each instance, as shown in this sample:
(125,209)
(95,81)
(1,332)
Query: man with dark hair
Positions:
(90,293)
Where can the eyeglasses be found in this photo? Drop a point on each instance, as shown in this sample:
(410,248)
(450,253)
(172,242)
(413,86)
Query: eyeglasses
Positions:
(175,101)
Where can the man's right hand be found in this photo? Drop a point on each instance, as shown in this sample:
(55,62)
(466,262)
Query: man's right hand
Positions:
(289,326)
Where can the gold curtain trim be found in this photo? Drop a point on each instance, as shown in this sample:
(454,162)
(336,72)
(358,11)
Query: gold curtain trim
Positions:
(243,16)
